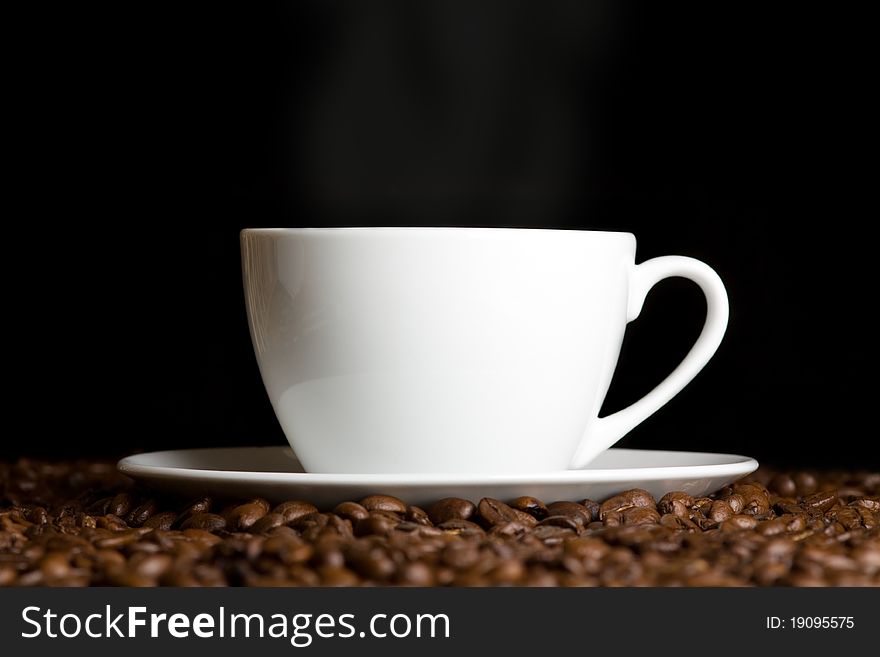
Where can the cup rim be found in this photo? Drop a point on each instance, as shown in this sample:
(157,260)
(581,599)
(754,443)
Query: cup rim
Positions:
(383,229)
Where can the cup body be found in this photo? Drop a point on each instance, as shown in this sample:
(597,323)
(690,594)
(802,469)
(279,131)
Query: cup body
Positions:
(436,349)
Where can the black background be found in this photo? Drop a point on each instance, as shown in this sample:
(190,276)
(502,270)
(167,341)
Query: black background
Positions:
(144,138)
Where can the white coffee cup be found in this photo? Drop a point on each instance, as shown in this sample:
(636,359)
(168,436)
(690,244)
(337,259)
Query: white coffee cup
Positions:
(454,350)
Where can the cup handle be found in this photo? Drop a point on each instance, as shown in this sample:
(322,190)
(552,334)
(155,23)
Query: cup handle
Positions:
(606,431)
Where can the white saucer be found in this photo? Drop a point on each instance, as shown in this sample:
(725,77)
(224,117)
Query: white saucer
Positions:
(276,474)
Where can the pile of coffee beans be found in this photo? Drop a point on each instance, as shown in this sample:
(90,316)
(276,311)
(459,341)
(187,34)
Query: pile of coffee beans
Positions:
(81,523)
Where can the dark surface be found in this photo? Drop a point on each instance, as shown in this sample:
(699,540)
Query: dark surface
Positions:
(145,140)
(81,523)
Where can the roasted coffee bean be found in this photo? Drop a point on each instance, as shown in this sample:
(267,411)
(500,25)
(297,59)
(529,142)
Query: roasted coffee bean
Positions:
(756,499)
(67,524)
(294,510)
(464,528)
(541,577)
(99,506)
(208,575)
(376,523)
(736,502)
(638,515)
(739,523)
(524,518)
(145,547)
(577,512)
(677,522)
(19,516)
(370,560)
(864,502)
(162,520)
(772,527)
(805,483)
(821,501)
(339,527)
(677,508)
(867,556)
(586,548)
(665,505)
(210,522)
(566,522)
(198,505)
(194,507)
(701,506)
(132,579)
(551,534)
(8,525)
(494,512)
(460,555)
(109,560)
(451,508)
(531,505)
(85,521)
(384,503)
(782,505)
(337,576)
(111,522)
(846,516)
(55,565)
(120,505)
(262,502)
(38,516)
(310,521)
(427,531)
(151,565)
(512,528)
(612,518)
(117,539)
(869,518)
(287,549)
(267,522)
(794,522)
(506,572)
(202,535)
(351,511)
(243,516)
(8,575)
(8,540)
(68,508)
(141,513)
(415,573)
(417,515)
(328,552)
(593,507)
(626,500)
(317,525)
(784,485)
(720,511)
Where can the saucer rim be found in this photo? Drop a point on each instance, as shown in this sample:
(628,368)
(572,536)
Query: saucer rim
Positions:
(733,464)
